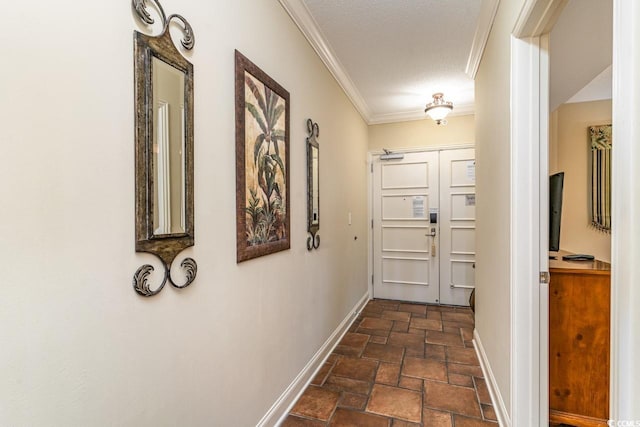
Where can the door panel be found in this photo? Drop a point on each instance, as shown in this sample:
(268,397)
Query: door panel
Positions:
(414,259)
(457,226)
(404,192)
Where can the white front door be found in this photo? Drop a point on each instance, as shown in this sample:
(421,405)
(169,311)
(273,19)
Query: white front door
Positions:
(424,227)
(457,225)
(405,262)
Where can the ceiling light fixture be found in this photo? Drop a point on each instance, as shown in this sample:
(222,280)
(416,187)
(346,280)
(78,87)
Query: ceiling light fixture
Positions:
(439,108)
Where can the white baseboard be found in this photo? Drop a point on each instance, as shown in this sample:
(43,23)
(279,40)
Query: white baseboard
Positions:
(494,391)
(278,412)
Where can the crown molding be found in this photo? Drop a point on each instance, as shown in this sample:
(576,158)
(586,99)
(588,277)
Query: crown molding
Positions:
(488,10)
(301,16)
(406,116)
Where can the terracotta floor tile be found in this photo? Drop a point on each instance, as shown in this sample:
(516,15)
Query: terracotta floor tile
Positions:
(322,374)
(447,397)
(462,317)
(402,339)
(483,391)
(399,326)
(413,308)
(352,344)
(395,402)
(469,422)
(461,380)
(451,330)
(293,421)
(373,323)
(435,351)
(333,358)
(396,315)
(414,351)
(348,418)
(347,384)
(384,352)
(378,340)
(356,368)
(431,418)
(489,413)
(401,423)
(352,400)
(466,356)
(430,324)
(424,368)
(467,334)
(454,324)
(370,313)
(434,315)
(388,373)
(442,338)
(457,368)
(374,332)
(351,339)
(401,365)
(410,383)
(317,403)
(386,304)
(417,331)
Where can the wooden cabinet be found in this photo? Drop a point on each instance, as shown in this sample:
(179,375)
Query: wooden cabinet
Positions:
(579,316)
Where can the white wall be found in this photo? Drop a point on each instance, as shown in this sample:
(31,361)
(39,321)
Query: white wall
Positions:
(422,133)
(493,151)
(569,142)
(79,347)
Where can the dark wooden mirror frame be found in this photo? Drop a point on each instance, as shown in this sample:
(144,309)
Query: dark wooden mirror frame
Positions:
(313,241)
(166,246)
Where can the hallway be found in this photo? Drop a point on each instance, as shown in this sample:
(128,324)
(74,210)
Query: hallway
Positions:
(400,365)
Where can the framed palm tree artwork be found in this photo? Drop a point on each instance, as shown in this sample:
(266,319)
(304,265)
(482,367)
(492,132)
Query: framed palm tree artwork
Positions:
(262,163)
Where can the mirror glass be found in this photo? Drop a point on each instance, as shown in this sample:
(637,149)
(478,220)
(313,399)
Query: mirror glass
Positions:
(315,198)
(168,149)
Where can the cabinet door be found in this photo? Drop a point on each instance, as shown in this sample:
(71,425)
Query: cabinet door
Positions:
(579,344)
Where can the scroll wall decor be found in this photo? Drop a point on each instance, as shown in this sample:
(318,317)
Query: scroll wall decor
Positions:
(163,148)
(262,163)
(601,142)
(313,185)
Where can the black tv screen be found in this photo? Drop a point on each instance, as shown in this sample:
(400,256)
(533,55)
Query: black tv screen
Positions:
(556,183)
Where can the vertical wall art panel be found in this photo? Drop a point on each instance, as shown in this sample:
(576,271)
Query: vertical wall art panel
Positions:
(262,163)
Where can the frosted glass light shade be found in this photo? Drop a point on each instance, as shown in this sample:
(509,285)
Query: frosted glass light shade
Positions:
(439,108)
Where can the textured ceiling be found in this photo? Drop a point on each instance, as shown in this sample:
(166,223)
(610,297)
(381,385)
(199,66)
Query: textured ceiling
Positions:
(398,53)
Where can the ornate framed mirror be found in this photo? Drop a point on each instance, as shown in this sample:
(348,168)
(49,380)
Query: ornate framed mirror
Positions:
(313,185)
(163,148)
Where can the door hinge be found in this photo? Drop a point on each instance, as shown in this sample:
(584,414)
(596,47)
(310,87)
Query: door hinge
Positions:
(372,224)
(545,277)
(371,167)
(372,279)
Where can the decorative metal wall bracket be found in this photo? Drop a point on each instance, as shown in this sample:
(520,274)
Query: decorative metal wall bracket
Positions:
(140,7)
(313,185)
(165,245)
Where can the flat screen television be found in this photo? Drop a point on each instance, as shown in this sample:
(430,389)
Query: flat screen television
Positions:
(556,183)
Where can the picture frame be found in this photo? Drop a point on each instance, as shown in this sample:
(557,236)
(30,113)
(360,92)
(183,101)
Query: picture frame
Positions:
(263,215)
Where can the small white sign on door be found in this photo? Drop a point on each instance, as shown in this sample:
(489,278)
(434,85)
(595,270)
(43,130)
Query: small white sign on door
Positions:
(470,200)
(471,171)
(418,206)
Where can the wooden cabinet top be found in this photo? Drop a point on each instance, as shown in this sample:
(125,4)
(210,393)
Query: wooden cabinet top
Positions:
(585,267)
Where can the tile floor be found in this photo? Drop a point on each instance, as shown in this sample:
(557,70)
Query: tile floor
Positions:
(400,365)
